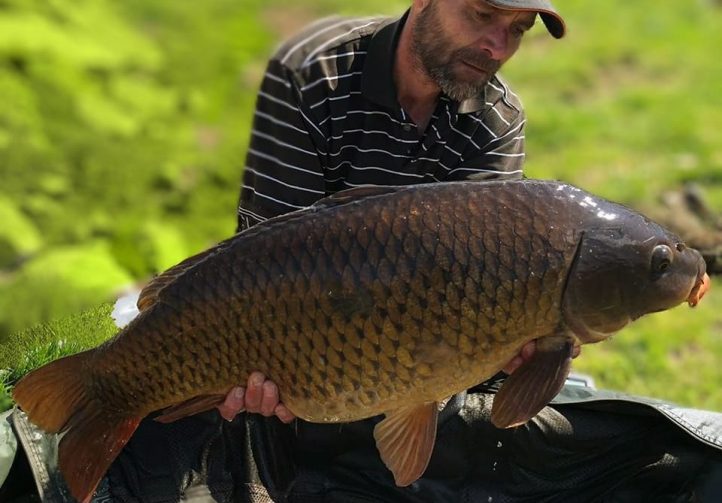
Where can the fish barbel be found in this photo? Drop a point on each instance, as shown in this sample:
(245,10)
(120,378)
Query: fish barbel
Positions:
(376,300)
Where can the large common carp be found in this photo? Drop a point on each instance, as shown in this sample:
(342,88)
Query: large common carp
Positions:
(374,300)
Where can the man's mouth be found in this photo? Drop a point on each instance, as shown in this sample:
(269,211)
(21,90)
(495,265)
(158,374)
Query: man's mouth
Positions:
(478,63)
(475,68)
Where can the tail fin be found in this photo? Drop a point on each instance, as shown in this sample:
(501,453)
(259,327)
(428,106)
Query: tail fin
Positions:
(93,440)
(55,398)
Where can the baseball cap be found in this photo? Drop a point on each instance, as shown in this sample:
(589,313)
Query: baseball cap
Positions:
(551,18)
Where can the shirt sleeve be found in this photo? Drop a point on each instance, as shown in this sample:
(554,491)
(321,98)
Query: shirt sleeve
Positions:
(500,158)
(284,164)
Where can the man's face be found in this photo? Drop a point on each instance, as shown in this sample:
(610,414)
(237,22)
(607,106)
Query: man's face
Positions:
(461,44)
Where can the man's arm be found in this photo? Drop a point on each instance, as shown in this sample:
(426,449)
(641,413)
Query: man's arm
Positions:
(284,172)
(284,165)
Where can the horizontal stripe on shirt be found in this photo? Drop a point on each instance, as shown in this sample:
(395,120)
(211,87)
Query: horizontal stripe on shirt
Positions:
(318,129)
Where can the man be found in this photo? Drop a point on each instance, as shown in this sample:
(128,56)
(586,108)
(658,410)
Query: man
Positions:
(386,102)
(412,100)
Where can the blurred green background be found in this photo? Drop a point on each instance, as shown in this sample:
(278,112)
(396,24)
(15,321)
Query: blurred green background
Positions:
(124,125)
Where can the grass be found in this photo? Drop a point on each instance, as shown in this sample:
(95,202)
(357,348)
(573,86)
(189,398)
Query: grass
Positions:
(35,346)
(636,104)
(671,355)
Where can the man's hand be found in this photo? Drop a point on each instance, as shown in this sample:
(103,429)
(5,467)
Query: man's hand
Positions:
(527,351)
(259,396)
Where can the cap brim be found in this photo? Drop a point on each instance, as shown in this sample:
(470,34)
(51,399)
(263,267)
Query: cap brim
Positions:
(554,23)
(551,19)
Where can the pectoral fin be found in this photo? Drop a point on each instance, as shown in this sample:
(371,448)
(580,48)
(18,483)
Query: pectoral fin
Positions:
(405,440)
(532,386)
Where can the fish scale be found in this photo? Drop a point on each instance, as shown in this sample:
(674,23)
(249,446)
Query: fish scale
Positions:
(375,300)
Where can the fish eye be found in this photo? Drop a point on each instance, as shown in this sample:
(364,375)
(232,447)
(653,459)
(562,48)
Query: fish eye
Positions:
(662,257)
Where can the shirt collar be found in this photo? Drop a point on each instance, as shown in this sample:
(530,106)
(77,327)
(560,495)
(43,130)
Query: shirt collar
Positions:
(377,81)
(472,105)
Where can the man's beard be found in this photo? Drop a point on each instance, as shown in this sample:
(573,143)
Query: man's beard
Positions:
(437,56)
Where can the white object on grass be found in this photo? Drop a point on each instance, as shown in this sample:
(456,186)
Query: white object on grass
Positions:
(125,308)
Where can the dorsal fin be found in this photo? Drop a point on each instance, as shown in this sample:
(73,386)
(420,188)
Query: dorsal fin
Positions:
(149,295)
(349,195)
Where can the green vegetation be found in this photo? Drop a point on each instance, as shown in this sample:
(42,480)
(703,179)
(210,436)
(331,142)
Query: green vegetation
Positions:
(35,346)
(124,126)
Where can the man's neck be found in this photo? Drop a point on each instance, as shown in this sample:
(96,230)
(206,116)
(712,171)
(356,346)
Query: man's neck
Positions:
(416,92)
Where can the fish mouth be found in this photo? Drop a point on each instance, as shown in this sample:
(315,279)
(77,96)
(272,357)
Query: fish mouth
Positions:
(699,289)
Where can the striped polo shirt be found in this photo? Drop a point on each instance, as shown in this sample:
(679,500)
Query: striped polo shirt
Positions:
(327,118)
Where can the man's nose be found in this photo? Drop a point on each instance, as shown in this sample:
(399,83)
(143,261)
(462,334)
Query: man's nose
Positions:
(495,42)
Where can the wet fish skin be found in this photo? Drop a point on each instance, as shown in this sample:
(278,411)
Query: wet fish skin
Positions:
(376,300)
(349,315)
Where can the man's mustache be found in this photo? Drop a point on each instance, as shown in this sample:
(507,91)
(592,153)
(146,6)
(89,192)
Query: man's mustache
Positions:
(478,59)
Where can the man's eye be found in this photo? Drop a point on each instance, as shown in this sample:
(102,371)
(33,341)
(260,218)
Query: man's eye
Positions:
(484,16)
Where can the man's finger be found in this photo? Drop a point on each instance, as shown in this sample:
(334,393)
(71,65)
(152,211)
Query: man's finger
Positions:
(282,413)
(254,392)
(269,400)
(233,404)
(524,355)
(577,351)
(514,364)
(528,350)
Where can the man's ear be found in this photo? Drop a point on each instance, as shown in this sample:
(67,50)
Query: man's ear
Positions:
(420,5)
